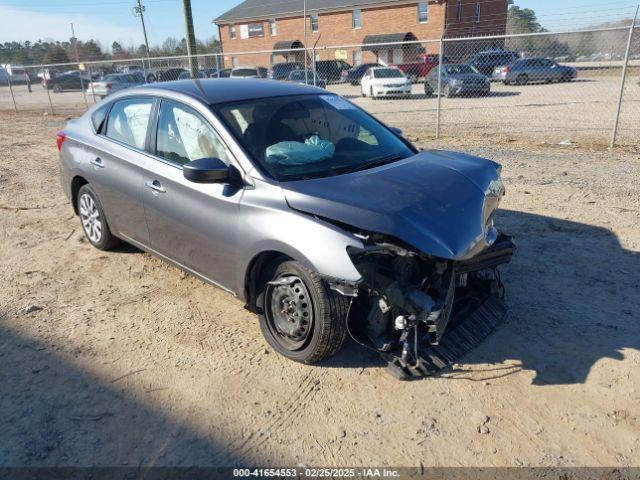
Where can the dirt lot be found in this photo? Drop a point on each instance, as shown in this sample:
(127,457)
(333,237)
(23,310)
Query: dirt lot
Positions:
(581,111)
(118,359)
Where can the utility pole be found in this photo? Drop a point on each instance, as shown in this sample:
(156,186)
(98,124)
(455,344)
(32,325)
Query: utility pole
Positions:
(304,34)
(139,10)
(74,40)
(191,38)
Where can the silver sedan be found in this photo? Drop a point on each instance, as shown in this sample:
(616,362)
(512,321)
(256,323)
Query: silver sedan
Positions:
(322,219)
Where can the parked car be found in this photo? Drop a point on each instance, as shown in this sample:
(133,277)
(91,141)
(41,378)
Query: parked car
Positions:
(332,70)
(280,71)
(320,230)
(421,68)
(457,79)
(355,74)
(73,80)
(115,82)
(249,72)
(170,74)
(384,82)
(310,78)
(202,73)
(149,74)
(527,70)
(224,73)
(486,62)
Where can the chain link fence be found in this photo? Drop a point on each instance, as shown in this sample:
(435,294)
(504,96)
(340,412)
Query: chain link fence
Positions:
(547,87)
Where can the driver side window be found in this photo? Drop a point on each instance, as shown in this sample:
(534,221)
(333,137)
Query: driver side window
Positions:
(183,136)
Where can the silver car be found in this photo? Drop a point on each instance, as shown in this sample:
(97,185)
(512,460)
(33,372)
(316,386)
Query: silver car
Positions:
(322,219)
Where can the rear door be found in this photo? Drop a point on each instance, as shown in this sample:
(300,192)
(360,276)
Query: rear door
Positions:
(192,224)
(118,158)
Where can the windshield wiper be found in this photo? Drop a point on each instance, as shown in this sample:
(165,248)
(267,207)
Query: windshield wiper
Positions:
(370,164)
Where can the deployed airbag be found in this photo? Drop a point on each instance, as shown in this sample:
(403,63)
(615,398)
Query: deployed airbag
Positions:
(313,150)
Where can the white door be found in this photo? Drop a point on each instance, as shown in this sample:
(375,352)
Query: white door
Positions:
(397,56)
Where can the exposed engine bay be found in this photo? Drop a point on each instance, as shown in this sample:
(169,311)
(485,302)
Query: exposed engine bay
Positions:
(408,301)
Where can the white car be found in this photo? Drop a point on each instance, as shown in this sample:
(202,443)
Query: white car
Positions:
(385,82)
(115,82)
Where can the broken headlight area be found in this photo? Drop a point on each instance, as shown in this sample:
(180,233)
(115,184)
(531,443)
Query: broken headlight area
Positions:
(422,313)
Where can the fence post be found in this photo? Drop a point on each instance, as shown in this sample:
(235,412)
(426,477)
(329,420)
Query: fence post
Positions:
(614,133)
(93,93)
(440,63)
(46,87)
(11,90)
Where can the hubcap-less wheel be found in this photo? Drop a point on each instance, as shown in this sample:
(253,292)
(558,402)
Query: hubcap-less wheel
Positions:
(90,216)
(290,312)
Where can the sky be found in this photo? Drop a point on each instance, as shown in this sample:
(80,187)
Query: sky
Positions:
(109,20)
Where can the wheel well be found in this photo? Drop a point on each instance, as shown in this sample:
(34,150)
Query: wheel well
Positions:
(76,183)
(255,272)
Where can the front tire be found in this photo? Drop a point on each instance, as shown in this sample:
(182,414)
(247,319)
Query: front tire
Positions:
(301,318)
(93,220)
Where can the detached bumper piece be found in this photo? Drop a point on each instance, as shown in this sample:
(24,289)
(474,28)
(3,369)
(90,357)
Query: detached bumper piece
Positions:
(456,343)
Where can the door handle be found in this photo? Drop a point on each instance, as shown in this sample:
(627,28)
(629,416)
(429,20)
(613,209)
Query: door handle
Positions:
(156,186)
(97,162)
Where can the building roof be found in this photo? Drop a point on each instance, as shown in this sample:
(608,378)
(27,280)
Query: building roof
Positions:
(222,90)
(250,9)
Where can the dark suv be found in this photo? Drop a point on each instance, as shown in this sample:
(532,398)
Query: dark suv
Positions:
(332,69)
(281,71)
(486,62)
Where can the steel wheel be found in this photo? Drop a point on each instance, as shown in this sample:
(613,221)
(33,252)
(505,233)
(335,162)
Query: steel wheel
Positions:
(90,216)
(289,312)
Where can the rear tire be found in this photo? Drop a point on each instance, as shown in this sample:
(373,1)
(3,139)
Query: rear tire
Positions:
(303,319)
(93,220)
(522,79)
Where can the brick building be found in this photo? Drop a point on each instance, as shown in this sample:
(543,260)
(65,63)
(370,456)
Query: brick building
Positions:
(252,28)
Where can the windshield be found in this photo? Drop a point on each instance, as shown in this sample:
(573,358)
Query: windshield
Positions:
(387,73)
(311,136)
(460,69)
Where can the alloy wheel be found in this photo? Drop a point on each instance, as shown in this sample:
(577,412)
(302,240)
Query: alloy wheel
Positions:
(90,216)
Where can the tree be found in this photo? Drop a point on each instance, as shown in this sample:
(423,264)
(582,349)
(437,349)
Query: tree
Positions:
(56,54)
(523,20)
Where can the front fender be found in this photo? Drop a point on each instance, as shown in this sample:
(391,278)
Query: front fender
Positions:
(318,245)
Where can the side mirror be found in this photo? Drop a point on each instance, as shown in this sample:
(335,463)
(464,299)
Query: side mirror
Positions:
(396,130)
(206,170)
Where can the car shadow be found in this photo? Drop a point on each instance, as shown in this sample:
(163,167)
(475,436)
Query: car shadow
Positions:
(55,413)
(573,293)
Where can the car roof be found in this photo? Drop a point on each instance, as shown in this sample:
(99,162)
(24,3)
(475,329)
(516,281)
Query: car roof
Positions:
(382,67)
(221,90)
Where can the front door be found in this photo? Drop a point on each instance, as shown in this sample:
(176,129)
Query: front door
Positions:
(192,224)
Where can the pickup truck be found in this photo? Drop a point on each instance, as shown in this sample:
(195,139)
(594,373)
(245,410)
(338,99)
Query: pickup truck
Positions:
(421,67)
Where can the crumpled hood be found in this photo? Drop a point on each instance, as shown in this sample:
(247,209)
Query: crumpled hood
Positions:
(439,202)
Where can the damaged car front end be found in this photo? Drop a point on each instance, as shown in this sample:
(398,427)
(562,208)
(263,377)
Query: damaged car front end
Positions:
(409,301)
(428,259)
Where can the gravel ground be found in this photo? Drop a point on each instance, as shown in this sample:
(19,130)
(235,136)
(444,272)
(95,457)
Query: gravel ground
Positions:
(118,359)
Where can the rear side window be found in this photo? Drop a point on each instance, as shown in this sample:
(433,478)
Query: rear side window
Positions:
(183,136)
(129,120)
(98,117)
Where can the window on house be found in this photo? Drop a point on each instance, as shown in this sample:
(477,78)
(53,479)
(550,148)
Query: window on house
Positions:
(314,22)
(423,12)
(273,29)
(357,19)
(458,9)
(232,31)
(478,11)
(234,62)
